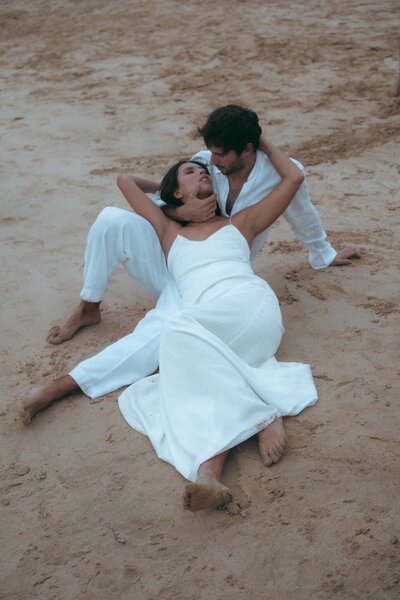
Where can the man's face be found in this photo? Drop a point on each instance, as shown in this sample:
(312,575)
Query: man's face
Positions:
(226,162)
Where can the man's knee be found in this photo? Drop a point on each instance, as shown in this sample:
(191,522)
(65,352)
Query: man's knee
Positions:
(116,219)
(110,216)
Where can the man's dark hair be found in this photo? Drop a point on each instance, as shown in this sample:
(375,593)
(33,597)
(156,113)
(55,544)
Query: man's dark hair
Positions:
(231,128)
(169,183)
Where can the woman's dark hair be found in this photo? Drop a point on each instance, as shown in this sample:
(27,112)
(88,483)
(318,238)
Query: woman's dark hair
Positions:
(231,128)
(169,183)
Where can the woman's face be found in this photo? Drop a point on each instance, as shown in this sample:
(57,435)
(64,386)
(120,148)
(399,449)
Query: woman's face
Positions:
(193,181)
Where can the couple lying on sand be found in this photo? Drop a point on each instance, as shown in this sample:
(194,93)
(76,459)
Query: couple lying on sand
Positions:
(216,326)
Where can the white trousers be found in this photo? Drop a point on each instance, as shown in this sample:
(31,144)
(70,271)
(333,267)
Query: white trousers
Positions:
(120,237)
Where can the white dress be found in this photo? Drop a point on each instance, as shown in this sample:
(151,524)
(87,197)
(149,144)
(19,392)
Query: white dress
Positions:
(219,382)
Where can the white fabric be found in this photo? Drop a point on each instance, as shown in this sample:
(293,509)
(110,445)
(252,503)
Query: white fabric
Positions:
(219,382)
(122,237)
(130,358)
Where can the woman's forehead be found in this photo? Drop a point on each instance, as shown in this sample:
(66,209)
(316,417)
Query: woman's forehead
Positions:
(186,166)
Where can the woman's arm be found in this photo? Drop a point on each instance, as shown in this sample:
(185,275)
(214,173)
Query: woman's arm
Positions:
(194,210)
(148,186)
(142,204)
(256,218)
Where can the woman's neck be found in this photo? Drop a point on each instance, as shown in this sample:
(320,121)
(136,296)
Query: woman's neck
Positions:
(203,224)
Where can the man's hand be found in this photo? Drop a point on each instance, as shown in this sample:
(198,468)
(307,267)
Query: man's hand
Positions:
(197,210)
(344,256)
(194,210)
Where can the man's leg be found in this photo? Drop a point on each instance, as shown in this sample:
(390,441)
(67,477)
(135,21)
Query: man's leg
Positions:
(117,237)
(132,357)
(41,396)
(83,315)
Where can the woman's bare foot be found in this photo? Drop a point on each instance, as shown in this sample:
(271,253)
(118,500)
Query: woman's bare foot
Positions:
(207,493)
(85,314)
(271,442)
(41,396)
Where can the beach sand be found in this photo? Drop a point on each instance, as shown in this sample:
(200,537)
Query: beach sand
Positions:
(94,88)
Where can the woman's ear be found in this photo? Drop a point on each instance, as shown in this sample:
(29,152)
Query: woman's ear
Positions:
(178,194)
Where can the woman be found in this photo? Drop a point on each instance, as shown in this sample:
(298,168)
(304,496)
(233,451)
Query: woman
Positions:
(219,382)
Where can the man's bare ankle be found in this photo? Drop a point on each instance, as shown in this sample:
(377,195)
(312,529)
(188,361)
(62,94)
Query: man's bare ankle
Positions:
(85,314)
(87,306)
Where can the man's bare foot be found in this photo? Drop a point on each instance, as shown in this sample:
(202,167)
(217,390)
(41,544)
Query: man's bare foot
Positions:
(205,493)
(38,398)
(41,396)
(271,442)
(85,314)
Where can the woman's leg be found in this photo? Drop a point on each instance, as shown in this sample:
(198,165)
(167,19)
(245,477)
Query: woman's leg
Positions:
(41,396)
(208,491)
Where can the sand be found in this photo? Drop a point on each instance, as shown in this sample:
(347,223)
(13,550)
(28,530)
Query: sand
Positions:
(93,88)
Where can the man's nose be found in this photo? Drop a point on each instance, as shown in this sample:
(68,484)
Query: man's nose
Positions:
(214,160)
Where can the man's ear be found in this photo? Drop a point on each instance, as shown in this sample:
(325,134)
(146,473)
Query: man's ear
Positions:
(249,148)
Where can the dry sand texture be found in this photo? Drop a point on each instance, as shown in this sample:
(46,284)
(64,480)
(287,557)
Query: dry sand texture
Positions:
(93,87)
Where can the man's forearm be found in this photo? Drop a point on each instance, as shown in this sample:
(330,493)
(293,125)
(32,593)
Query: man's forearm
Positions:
(306,224)
(174,212)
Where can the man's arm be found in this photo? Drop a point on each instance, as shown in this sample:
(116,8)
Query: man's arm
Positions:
(306,224)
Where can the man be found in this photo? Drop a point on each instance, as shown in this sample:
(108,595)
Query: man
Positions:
(242,175)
